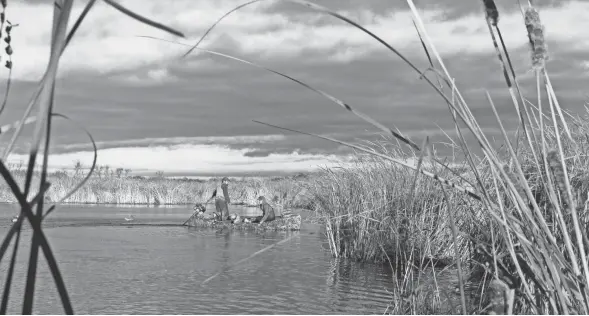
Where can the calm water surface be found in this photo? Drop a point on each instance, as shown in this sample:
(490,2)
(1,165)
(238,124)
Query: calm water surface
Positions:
(113,268)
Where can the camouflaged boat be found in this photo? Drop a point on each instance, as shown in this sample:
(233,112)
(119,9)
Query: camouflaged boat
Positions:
(280,223)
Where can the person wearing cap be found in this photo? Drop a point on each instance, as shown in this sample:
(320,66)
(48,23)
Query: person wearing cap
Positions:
(221,196)
(267,212)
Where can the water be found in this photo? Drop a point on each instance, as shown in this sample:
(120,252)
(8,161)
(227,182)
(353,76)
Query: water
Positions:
(110,267)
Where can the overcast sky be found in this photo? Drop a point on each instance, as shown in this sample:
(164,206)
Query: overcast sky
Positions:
(152,111)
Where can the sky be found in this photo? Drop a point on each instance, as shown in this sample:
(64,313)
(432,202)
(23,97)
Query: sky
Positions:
(151,110)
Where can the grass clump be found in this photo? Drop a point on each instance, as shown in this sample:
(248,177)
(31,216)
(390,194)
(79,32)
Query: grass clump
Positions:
(372,214)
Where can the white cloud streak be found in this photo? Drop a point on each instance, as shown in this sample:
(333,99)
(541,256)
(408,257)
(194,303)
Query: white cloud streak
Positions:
(193,159)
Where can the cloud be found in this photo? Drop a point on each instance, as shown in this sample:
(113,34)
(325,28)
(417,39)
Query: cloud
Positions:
(147,77)
(106,41)
(192,159)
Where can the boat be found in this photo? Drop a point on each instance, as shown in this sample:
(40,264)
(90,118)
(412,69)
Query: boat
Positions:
(129,218)
(292,223)
(15,218)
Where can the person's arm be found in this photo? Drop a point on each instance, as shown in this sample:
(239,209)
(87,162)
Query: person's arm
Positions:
(212,197)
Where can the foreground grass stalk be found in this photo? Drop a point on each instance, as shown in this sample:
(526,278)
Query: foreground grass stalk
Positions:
(36,225)
(10,273)
(43,98)
(61,15)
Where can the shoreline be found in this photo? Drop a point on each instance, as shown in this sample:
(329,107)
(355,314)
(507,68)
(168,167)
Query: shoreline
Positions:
(190,205)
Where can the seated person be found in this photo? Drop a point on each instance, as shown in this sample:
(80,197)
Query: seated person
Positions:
(267,212)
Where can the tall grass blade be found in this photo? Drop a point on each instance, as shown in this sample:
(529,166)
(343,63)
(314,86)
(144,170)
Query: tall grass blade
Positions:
(215,24)
(15,226)
(147,21)
(419,161)
(10,273)
(25,117)
(78,22)
(61,14)
(90,171)
(36,225)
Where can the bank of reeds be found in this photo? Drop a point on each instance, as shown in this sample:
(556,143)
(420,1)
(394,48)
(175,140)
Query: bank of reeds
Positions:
(377,211)
(285,191)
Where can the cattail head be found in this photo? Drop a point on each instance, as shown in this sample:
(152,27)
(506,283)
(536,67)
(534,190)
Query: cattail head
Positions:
(491,12)
(536,37)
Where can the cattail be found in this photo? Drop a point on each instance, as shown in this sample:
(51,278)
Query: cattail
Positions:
(8,39)
(8,64)
(491,12)
(536,37)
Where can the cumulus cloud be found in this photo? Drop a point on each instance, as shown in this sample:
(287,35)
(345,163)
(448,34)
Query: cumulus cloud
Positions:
(106,41)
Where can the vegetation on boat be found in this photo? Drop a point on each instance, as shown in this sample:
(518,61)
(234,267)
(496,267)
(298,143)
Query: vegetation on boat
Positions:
(292,223)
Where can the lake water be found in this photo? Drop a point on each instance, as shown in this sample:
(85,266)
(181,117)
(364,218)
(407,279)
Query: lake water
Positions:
(113,268)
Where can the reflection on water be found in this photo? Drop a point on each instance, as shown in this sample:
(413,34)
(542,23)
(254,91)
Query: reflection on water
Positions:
(113,269)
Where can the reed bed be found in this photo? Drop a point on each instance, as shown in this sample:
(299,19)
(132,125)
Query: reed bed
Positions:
(283,192)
